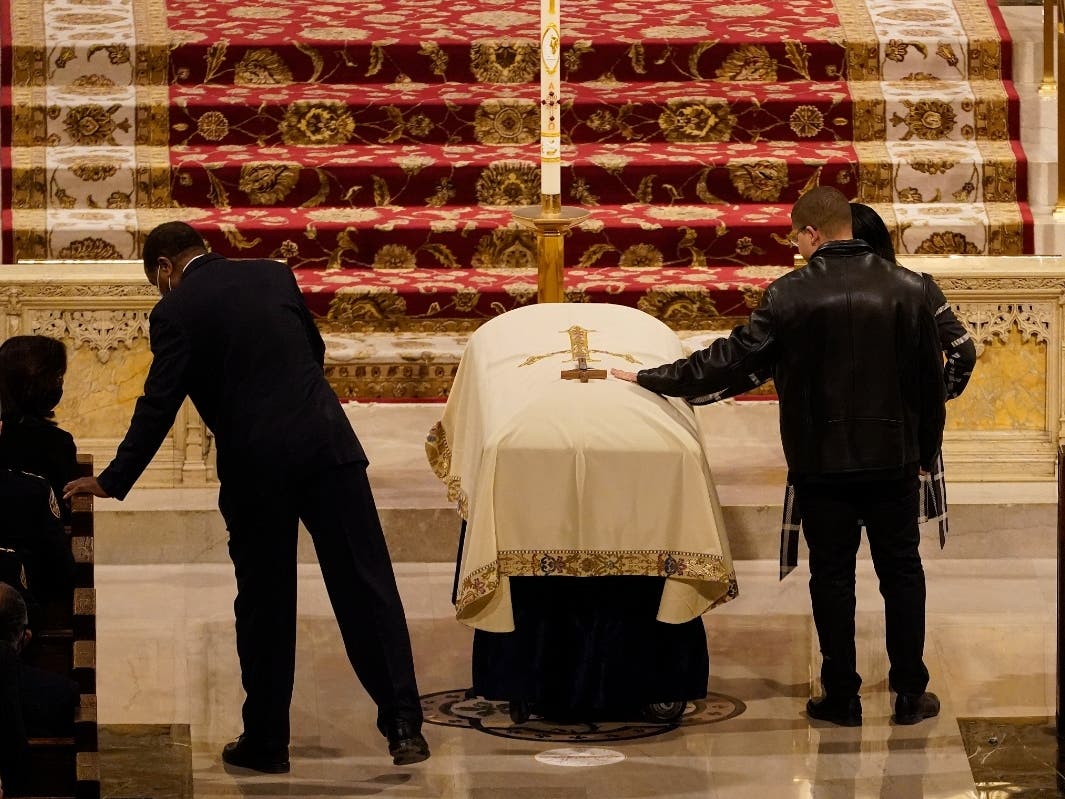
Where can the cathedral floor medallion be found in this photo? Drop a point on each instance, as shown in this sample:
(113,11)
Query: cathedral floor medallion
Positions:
(454,709)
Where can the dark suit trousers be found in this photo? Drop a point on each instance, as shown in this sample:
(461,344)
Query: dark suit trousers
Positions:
(337,507)
(832,515)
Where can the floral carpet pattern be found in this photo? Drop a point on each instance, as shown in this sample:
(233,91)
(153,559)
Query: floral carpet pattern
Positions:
(381,153)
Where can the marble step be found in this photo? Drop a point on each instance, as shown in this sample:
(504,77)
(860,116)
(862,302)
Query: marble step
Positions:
(1018,523)
(183,525)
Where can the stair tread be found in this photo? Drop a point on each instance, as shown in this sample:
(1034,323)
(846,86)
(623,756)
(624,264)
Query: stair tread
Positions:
(606,91)
(476,153)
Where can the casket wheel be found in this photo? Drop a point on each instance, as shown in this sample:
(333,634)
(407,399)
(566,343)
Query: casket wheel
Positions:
(519,711)
(663,712)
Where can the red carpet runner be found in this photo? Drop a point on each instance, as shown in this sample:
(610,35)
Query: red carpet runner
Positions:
(378,147)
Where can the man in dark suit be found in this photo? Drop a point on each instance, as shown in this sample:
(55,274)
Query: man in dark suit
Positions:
(853,349)
(236,337)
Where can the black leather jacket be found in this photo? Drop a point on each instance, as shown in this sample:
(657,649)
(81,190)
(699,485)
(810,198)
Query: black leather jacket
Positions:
(854,352)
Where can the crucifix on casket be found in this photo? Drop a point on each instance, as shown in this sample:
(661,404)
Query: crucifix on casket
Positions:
(582,372)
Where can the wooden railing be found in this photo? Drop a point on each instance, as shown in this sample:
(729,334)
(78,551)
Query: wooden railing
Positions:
(68,767)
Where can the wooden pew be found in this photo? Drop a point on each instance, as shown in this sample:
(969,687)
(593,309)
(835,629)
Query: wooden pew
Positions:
(69,768)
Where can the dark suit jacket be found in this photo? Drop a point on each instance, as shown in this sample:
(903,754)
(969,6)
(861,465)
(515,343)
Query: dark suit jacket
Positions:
(236,337)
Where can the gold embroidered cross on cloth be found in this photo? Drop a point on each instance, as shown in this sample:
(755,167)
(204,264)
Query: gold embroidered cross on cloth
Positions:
(581,353)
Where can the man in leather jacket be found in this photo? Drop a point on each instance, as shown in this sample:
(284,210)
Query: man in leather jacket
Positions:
(853,350)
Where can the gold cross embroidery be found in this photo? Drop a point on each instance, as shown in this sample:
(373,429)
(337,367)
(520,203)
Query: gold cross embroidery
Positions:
(580,353)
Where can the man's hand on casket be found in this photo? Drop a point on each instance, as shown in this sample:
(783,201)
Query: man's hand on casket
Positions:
(621,374)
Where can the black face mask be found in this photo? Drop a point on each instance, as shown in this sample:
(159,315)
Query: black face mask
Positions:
(51,397)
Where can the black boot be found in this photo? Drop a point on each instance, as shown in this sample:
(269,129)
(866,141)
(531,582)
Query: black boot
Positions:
(406,744)
(844,711)
(912,708)
(244,754)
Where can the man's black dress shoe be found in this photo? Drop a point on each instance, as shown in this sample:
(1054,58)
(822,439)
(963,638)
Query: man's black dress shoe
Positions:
(243,754)
(912,708)
(406,744)
(846,712)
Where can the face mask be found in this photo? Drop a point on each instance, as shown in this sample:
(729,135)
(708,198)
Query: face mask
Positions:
(51,397)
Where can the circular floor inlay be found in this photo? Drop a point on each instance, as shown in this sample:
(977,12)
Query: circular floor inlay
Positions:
(580,757)
(455,709)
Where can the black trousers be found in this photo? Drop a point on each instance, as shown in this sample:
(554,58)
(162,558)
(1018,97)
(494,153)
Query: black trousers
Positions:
(337,507)
(832,515)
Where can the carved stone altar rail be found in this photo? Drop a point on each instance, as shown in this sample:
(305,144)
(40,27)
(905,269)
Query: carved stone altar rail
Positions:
(1009,422)
(100,311)
(1006,426)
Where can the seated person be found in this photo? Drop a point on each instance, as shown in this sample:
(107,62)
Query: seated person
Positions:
(33,702)
(31,385)
(32,527)
(13,738)
(47,700)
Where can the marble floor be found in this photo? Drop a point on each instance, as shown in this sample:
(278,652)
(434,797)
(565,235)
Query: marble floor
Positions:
(166,656)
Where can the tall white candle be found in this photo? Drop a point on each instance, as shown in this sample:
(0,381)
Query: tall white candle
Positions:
(550,95)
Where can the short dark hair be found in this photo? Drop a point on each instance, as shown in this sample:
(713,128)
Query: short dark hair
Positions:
(870,228)
(14,617)
(822,208)
(169,240)
(31,368)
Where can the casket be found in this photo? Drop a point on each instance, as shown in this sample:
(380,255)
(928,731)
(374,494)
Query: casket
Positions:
(559,477)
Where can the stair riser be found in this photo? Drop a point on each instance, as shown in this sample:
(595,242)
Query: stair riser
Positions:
(429,534)
(491,60)
(516,122)
(97,179)
(504,62)
(517,182)
(331,116)
(453,238)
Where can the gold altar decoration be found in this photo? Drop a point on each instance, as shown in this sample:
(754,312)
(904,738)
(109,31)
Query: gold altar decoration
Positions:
(550,219)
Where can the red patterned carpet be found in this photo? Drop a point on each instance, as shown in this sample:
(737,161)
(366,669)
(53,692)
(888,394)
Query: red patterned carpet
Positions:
(379,151)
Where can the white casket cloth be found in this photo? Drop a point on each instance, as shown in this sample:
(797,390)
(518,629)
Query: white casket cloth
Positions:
(559,477)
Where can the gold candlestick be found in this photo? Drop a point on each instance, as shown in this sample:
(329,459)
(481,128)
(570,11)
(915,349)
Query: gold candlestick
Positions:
(550,220)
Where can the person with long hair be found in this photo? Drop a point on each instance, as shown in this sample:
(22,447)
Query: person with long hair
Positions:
(32,369)
(958,349)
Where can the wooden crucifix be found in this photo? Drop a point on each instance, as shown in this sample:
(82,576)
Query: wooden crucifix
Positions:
(583,373)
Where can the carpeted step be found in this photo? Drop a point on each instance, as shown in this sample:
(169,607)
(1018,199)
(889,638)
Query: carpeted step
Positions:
(392,133)
(434,40)
(593,175)
(312,115)
(508,61)
(452,238)
(429,299)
